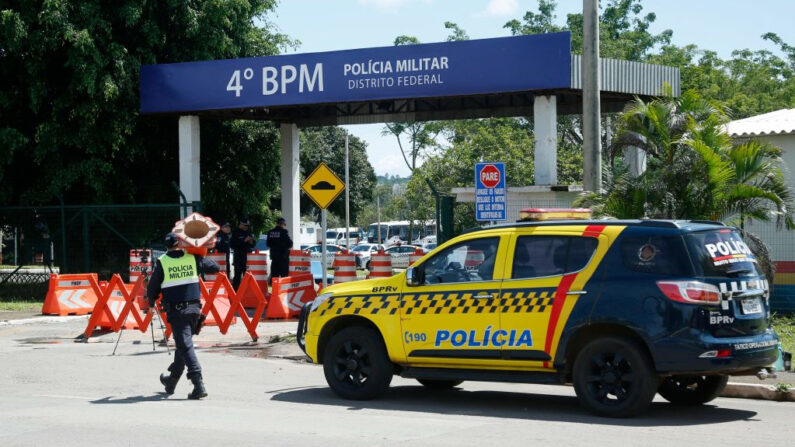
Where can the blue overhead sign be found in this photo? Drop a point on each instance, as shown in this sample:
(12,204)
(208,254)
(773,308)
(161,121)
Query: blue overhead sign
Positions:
(472,67)
(489,191)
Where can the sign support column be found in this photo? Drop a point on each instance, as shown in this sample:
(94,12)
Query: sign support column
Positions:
(291,206)
(323,187)
(189,157)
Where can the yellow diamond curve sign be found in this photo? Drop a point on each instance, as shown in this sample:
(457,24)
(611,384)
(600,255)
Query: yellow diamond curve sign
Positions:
(323,186)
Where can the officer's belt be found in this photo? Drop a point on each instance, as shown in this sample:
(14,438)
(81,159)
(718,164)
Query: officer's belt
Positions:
(168,307)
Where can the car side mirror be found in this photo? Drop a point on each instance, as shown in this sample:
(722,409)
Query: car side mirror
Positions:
(414,276)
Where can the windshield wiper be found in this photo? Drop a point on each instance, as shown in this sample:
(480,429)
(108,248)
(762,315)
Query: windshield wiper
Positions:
(737,271)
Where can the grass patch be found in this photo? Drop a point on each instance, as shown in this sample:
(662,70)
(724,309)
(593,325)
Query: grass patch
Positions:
(784,325)
(20,306)
(285,338)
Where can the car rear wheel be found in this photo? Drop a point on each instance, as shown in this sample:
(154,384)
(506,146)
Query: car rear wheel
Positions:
(439,384)
(692,390)
(613,377)
(356,364)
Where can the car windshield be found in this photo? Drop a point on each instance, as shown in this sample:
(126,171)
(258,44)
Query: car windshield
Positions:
(361,248)
(721,253)
(331,234)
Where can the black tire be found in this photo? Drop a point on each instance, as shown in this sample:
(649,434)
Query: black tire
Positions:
(692,390)
(613,377)
(356,364)
(440,384)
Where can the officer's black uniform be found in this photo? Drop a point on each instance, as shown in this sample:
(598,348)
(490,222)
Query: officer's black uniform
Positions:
(222,245)
(280,244)
(240,256)
(183,308)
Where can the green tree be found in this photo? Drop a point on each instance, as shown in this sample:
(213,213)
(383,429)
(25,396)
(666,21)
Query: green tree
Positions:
(69,111)
(327,144)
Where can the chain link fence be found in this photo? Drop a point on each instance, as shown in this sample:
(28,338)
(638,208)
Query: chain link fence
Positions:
(38,241)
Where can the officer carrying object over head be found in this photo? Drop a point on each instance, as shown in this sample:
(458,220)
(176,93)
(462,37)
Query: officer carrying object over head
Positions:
(280,244)
(242,242)
(176,276)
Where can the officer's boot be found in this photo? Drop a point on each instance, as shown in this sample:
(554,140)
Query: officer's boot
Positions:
(169,381)
(198,388)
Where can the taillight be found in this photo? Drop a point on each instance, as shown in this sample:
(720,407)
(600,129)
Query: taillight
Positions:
(693,292)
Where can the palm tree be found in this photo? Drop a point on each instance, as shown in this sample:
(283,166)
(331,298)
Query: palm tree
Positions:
(694,170)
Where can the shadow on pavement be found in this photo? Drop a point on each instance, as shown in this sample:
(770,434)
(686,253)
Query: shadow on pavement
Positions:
(502,404)
(133,399)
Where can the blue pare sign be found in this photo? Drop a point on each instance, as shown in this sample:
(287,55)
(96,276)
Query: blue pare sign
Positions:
(489,191)
(506,64)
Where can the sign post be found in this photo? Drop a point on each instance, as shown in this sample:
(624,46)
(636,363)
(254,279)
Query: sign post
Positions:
(323,186)
(489,191)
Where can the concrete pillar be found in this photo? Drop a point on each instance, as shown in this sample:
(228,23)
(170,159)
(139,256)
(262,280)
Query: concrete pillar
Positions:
(545,128)
(189,157)
(291,187)
(591,108)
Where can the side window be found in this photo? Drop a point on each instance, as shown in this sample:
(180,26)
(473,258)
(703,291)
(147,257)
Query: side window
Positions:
(466,261)
(662,255)
(539,256)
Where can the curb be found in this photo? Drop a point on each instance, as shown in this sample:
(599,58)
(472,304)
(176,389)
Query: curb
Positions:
(751,391)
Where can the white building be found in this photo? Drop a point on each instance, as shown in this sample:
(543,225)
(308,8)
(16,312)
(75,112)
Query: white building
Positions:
(778,129)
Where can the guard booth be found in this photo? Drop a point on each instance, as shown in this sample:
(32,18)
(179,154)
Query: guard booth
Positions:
(533,76)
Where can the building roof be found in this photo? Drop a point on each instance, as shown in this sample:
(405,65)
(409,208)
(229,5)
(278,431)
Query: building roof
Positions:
(780,122)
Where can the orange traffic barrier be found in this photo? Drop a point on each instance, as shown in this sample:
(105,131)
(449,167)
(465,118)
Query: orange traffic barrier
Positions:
(473,259)
(220,258)
(70,294)
(299,262)
(290,294)
(380,265)
(247,286)
(222,304)
(141,263)
(344,267)
(257,264)
(115,304)
(416,256)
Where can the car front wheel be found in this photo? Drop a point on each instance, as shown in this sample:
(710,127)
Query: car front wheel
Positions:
(356,364)
(613,377)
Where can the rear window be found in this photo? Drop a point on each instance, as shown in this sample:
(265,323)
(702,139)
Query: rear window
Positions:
(539,256)
(661,255)
(721,253)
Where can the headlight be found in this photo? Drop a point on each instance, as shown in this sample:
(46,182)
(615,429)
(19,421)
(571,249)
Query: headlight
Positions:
(320,300)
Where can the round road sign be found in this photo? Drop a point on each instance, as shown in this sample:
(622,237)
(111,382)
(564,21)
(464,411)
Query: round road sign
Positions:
(490,176)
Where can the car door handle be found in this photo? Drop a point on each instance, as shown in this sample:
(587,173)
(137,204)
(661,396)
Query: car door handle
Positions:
(483,297)
(576,292)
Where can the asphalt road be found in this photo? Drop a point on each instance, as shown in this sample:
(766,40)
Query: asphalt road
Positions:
(54,391)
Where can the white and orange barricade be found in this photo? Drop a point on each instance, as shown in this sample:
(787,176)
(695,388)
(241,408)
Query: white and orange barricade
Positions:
(257,264)
(299,262)
(220,258)
(416,256)
(380,265)
(70,294)
(473,259)
(116,306)
(141,263)
(290,294)
(344,267)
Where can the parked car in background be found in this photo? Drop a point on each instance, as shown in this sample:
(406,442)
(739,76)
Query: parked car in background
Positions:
(362,253)
(316,253)
(400,255)
(427,248)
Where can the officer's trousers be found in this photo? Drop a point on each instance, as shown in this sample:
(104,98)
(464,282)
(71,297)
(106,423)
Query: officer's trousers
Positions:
(182,322)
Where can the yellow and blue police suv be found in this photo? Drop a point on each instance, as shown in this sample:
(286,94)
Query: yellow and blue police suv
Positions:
(620,309)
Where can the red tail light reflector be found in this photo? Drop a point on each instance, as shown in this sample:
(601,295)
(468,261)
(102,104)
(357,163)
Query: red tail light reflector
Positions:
(692,292)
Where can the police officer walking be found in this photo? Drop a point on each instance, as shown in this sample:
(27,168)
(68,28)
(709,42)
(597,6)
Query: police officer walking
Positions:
(242,242)
(280,244)
(176,276)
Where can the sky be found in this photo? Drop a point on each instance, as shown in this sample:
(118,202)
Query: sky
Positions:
(329,25)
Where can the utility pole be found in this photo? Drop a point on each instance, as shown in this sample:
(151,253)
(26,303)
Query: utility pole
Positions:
(591,107)
(347,198)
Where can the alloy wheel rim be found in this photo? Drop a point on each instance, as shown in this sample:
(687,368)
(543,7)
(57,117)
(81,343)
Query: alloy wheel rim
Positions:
(352,364)
(610,379)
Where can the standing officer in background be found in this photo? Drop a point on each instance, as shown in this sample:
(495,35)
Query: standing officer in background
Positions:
(280,244)
(242,242)
(176,276)
(222,244)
